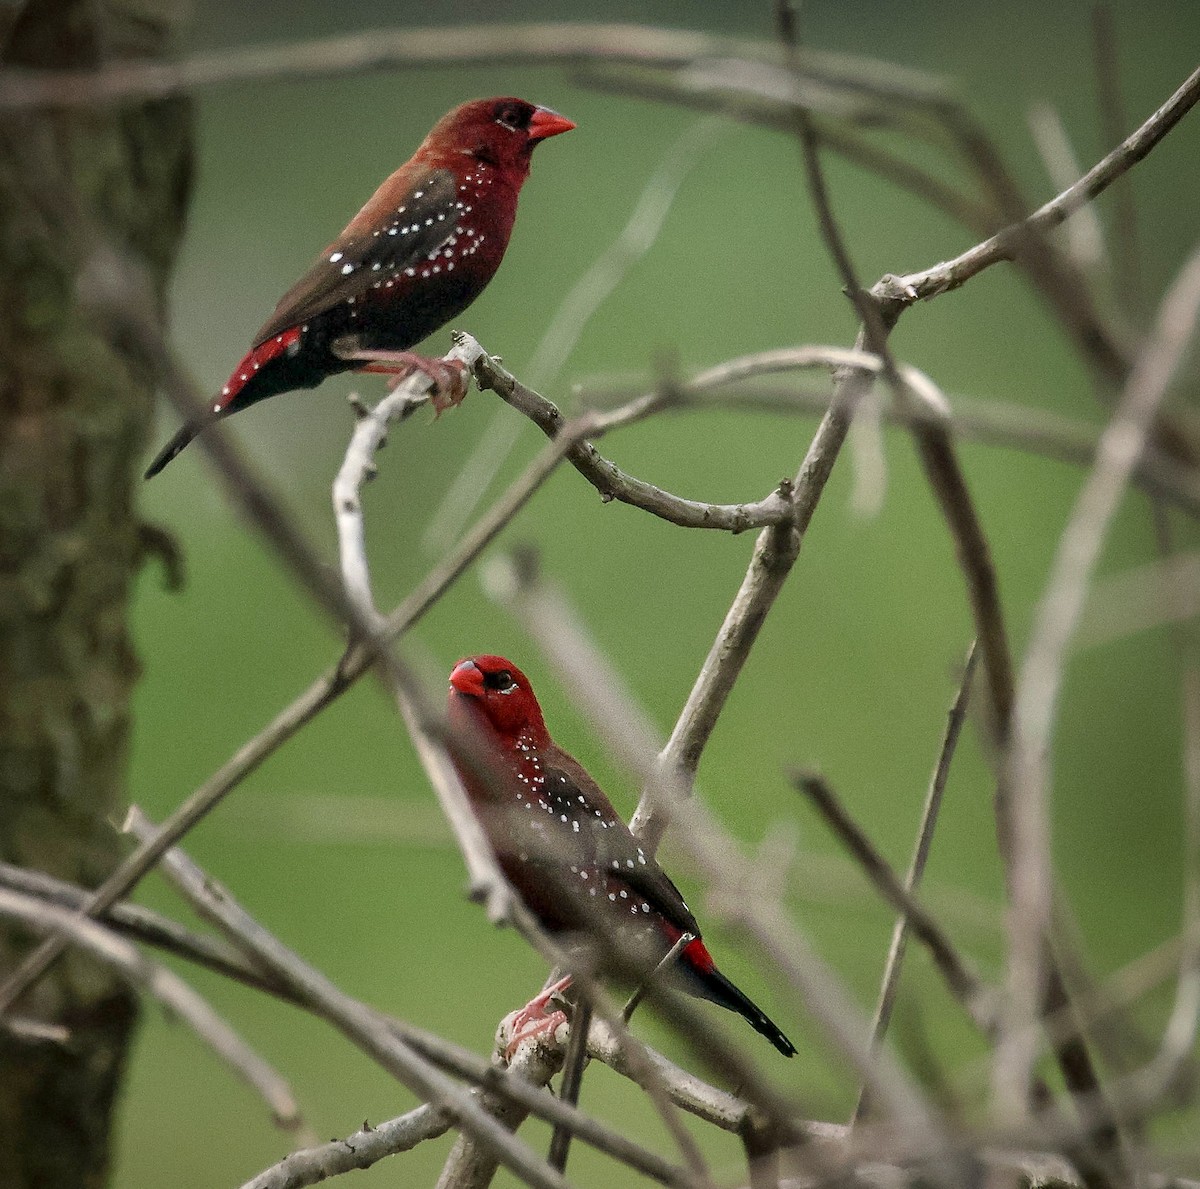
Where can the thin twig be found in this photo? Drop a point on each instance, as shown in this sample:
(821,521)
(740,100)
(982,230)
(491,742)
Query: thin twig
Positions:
(572,1078)
(1174,1060)
(1083,233)
(1127,271)
(775,552)
(138,924)
(890,983)
(516,582)
(994,423)
(706,89)
(609,480)
(664,964)
(836,80)
(950,274)
(963,983)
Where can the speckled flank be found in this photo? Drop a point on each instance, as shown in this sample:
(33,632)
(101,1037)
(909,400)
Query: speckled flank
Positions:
(539,792)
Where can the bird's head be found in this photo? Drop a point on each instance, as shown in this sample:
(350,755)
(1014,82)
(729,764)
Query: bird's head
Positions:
(502,132)
(500,692)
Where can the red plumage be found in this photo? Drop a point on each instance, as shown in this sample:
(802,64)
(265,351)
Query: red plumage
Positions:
(418,253)
(563,846)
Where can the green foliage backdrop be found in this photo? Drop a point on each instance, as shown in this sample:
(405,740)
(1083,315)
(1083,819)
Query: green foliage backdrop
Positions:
(336,843)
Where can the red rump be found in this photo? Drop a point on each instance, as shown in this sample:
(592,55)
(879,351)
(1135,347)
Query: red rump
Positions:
(253,361)
(696,953)
(563,846)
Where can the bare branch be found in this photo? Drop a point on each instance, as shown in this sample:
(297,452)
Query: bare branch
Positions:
(775,553)
(833,76)
(994,423)
(168,988)
(562,332)
(964,983)
(1128,272)
(369,434)
(1083,233)
(609,480)
(141,924)
(1026,767)
(361,1150)
(890,983)
(950,274)
(516,582)
(487,883)
(357,1022)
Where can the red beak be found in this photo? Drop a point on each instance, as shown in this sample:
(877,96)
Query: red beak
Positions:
(467,678)
(545,123)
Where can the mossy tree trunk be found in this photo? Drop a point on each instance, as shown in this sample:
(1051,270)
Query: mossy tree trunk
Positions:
(75,410)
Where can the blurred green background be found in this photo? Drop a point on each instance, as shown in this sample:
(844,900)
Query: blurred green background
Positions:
(336,844)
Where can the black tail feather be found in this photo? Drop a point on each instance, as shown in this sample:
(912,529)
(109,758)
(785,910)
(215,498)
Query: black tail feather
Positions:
(715,987)
(186,433)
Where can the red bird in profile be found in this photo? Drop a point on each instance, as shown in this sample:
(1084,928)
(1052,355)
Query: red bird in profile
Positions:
(420,251)
(563,847)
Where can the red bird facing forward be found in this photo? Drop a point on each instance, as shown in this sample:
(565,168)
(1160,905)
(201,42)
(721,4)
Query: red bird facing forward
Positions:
(420,251)
(563,847)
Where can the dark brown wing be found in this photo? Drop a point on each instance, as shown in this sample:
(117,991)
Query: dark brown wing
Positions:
(409,223)
(604,840)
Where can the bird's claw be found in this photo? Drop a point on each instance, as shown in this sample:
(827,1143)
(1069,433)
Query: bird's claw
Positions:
(520,1027)
(533,1020)
(448,377)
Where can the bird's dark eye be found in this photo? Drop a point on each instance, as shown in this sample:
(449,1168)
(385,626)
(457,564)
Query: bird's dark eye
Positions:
(502,681)
(513,117)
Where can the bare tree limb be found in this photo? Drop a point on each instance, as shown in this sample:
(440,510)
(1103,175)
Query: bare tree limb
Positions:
(169,989)
(1026,767)
(141,924)
(567,43)
(562,332)
(950,274)
(609,480)
(357,1022)
(361,1150)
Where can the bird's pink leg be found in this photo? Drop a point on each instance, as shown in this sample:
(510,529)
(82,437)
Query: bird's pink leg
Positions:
(449,379)
(533,1019)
